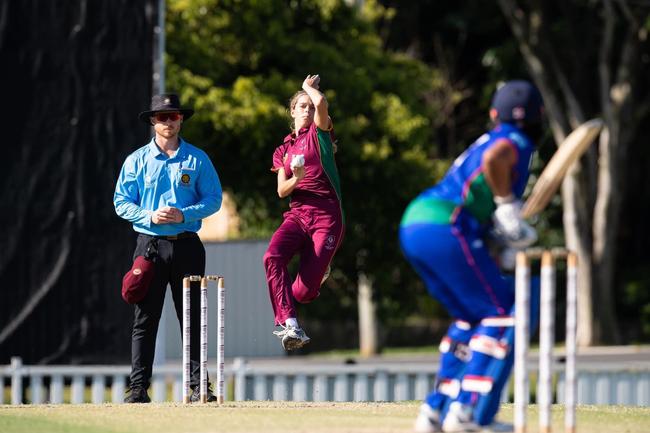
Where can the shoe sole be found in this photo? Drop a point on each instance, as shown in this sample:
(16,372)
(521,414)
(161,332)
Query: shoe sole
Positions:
(294,343)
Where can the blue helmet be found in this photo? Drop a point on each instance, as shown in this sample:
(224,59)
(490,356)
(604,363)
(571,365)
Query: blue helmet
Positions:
(518,100)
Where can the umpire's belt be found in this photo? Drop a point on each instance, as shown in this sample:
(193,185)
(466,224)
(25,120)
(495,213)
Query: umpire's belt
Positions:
(182,235)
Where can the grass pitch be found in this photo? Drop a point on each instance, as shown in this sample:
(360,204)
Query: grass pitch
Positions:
(278,417)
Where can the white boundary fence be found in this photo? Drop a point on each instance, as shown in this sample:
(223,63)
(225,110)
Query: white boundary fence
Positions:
(603,384)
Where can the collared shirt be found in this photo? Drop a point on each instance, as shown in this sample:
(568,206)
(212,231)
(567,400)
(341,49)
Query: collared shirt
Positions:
(150,179)
(321,175)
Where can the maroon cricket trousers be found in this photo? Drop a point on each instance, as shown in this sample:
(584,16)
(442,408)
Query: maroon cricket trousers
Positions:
(314,231)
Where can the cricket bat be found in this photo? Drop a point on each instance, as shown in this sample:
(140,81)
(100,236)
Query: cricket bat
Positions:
(571,149)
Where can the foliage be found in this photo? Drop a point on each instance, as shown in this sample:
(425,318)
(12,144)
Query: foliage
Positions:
(238,63)
(473,55)
(408,85)
(590,59)
(473,47)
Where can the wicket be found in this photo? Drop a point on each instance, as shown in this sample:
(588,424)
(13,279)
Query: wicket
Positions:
(221,303)
(546,337)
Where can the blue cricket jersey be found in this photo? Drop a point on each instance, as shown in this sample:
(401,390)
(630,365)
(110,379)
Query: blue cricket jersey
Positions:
(150,179)
(463,193)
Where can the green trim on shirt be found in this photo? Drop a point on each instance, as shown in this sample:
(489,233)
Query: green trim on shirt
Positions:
(480,200)
(329,163)
(428,210)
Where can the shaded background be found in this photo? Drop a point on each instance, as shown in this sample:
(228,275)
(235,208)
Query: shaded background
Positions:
(74,76)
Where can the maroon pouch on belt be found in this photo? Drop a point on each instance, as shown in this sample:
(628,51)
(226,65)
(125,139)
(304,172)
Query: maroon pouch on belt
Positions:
(136,281)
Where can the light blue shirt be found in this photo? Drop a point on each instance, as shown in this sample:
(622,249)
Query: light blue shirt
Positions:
(150,179)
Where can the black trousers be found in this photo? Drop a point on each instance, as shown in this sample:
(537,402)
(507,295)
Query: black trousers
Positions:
(176,259)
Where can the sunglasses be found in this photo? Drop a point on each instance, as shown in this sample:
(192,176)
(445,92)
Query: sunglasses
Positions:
(163,117)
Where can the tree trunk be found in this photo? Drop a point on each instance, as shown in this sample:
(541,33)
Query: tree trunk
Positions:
(592,191)
(575,236)
(368,341)
(605,230)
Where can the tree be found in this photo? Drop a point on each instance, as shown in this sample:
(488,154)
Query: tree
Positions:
(238,62)
(588,58)
(475,53)
(455,39)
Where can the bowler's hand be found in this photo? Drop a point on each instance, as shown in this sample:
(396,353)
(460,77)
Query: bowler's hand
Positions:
(311,81)
(167,215)
(299,172)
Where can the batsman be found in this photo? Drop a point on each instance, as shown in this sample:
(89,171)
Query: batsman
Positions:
(445,233)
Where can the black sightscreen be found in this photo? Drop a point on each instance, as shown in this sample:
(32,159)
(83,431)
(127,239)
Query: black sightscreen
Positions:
(74,74)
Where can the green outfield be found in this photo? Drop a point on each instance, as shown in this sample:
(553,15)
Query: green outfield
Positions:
(280,417)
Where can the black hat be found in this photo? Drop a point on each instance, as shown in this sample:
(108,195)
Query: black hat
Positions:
(518,100)
(165,102)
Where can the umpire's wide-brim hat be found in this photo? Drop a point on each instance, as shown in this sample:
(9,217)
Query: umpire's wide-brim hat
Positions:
(165,102)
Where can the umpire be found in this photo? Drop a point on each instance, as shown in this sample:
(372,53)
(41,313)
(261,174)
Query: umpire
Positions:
(165,189)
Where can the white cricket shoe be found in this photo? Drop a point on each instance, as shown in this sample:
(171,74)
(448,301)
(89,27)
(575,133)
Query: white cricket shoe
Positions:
(292,337)
(459,419)
(428,420)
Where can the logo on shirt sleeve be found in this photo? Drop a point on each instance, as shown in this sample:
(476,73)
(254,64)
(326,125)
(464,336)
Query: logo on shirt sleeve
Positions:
(185,179)
(330,242)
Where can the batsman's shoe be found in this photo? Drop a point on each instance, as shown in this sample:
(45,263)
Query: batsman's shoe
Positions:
(137,394)
(196,395)
(428,420)
(459,419)
(292,337)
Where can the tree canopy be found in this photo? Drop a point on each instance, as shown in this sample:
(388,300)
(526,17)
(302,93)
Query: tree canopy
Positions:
(238,63)
(408,88)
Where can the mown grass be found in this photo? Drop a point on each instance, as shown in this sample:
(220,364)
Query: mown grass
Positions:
(278,417)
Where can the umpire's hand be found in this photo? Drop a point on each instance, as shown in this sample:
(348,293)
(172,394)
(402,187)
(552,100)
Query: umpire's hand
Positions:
(167,215)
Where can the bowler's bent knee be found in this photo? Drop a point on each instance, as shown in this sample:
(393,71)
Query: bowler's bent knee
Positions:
(304,294)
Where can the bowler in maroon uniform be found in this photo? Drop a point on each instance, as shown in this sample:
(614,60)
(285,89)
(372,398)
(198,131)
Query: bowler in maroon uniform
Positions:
(313,226)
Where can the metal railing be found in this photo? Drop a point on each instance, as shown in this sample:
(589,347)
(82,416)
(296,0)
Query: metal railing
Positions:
(621,384)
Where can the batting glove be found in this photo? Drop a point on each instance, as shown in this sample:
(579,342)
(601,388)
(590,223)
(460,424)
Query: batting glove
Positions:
(510,227)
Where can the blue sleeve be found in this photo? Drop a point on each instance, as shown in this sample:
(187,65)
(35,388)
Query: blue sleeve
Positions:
(209,192)
(127,196)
